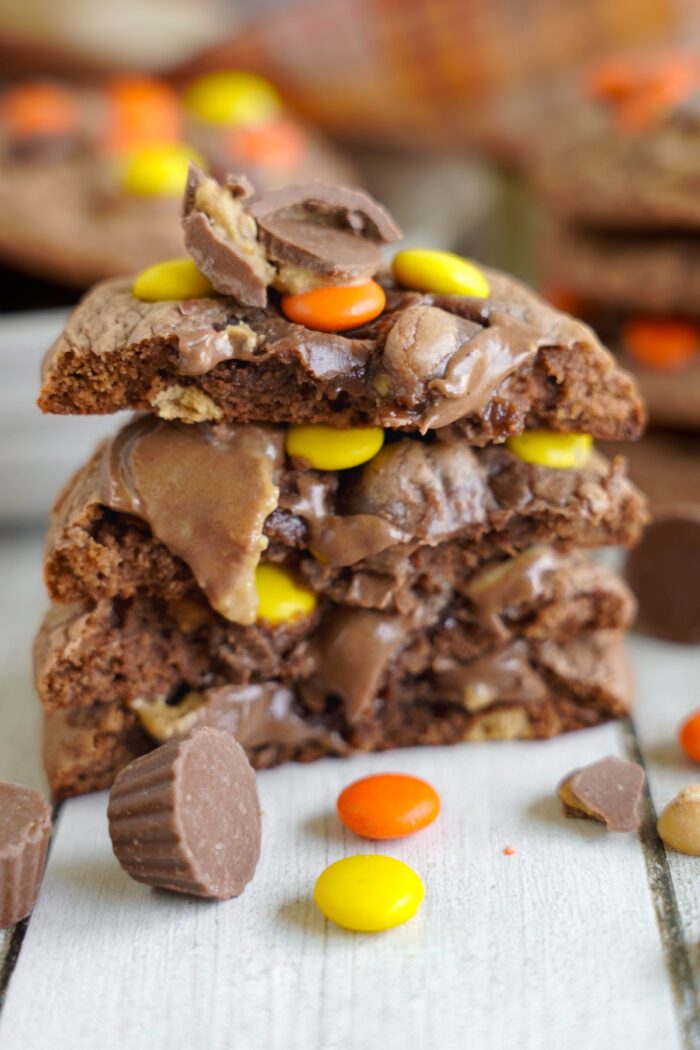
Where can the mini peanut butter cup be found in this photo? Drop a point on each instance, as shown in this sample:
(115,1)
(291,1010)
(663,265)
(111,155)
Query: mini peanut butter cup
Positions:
(186,817)
(25,830)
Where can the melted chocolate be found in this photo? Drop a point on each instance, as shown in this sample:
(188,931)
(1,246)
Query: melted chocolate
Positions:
(205,493)
(351,653)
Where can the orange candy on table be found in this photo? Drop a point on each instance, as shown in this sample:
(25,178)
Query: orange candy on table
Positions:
(39,108)
(689,736)
(388,806)
(142,111)
(337,307)
(660,343)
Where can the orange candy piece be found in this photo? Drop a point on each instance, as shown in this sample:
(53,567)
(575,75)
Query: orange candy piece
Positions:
(660,343)
(279,144)
(689,736)
(388,806)
(337,307)
(643,88)
(143,111)
(40,108)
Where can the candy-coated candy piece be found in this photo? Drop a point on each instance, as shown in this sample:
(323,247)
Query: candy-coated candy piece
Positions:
(337,307)
(234,98)
(679,822)
(547,449)
(327,448)
(369,892)
(643,87)
(279,144)
(158,171)
(40,108)
(281,597)
(662,344)
(172,279)
(442,273)
(141,111)
(689,736)
(388,806)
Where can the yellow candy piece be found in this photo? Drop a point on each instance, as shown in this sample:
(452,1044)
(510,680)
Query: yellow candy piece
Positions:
(281,597)
(158,171)
(548,449)
(172,279)
(369,892)
(442,273)
(233,98)
(327,448)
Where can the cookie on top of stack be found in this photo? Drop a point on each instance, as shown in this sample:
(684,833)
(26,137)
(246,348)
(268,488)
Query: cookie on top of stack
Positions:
(617,170)
(352,513)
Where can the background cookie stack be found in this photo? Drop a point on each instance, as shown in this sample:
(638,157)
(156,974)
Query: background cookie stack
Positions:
(350,518)
(618,171)
(111,157)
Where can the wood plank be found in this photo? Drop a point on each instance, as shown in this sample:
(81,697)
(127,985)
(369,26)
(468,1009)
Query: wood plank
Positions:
(668,689)
(558,942)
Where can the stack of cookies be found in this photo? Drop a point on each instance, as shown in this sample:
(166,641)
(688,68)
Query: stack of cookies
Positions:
(618,172)
(350,514)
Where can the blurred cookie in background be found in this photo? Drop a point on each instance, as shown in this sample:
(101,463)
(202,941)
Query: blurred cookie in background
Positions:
(91,176)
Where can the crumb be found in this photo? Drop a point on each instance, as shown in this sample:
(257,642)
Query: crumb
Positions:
(508,851)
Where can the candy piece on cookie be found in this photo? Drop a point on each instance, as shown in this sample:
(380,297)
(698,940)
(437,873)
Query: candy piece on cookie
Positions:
(608,791)
(186,817)
(25,830)
(233,98)
(442,273)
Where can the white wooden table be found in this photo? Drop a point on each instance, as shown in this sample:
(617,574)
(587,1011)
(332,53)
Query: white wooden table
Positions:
(581,939)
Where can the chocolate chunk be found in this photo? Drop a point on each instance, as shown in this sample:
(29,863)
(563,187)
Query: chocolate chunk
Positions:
(664,573)
(25,830)
(329,231)
(221,237)
(351,654)
(206,495)
(186,817)
(608,791)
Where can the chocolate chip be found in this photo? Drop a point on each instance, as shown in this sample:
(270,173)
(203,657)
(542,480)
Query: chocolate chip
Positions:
(186,817)
(608,791)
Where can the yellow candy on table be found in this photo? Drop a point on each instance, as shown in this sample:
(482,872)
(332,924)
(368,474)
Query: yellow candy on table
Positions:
(172,279)
(327,448)
(442,273)
(158,171)
(233,98)
(281,598)
(547,449)
(369,892)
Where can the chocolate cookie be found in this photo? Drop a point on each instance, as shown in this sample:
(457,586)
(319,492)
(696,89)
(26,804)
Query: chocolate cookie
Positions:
(170,510)
(475,368)
(520,691)
(622,150)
